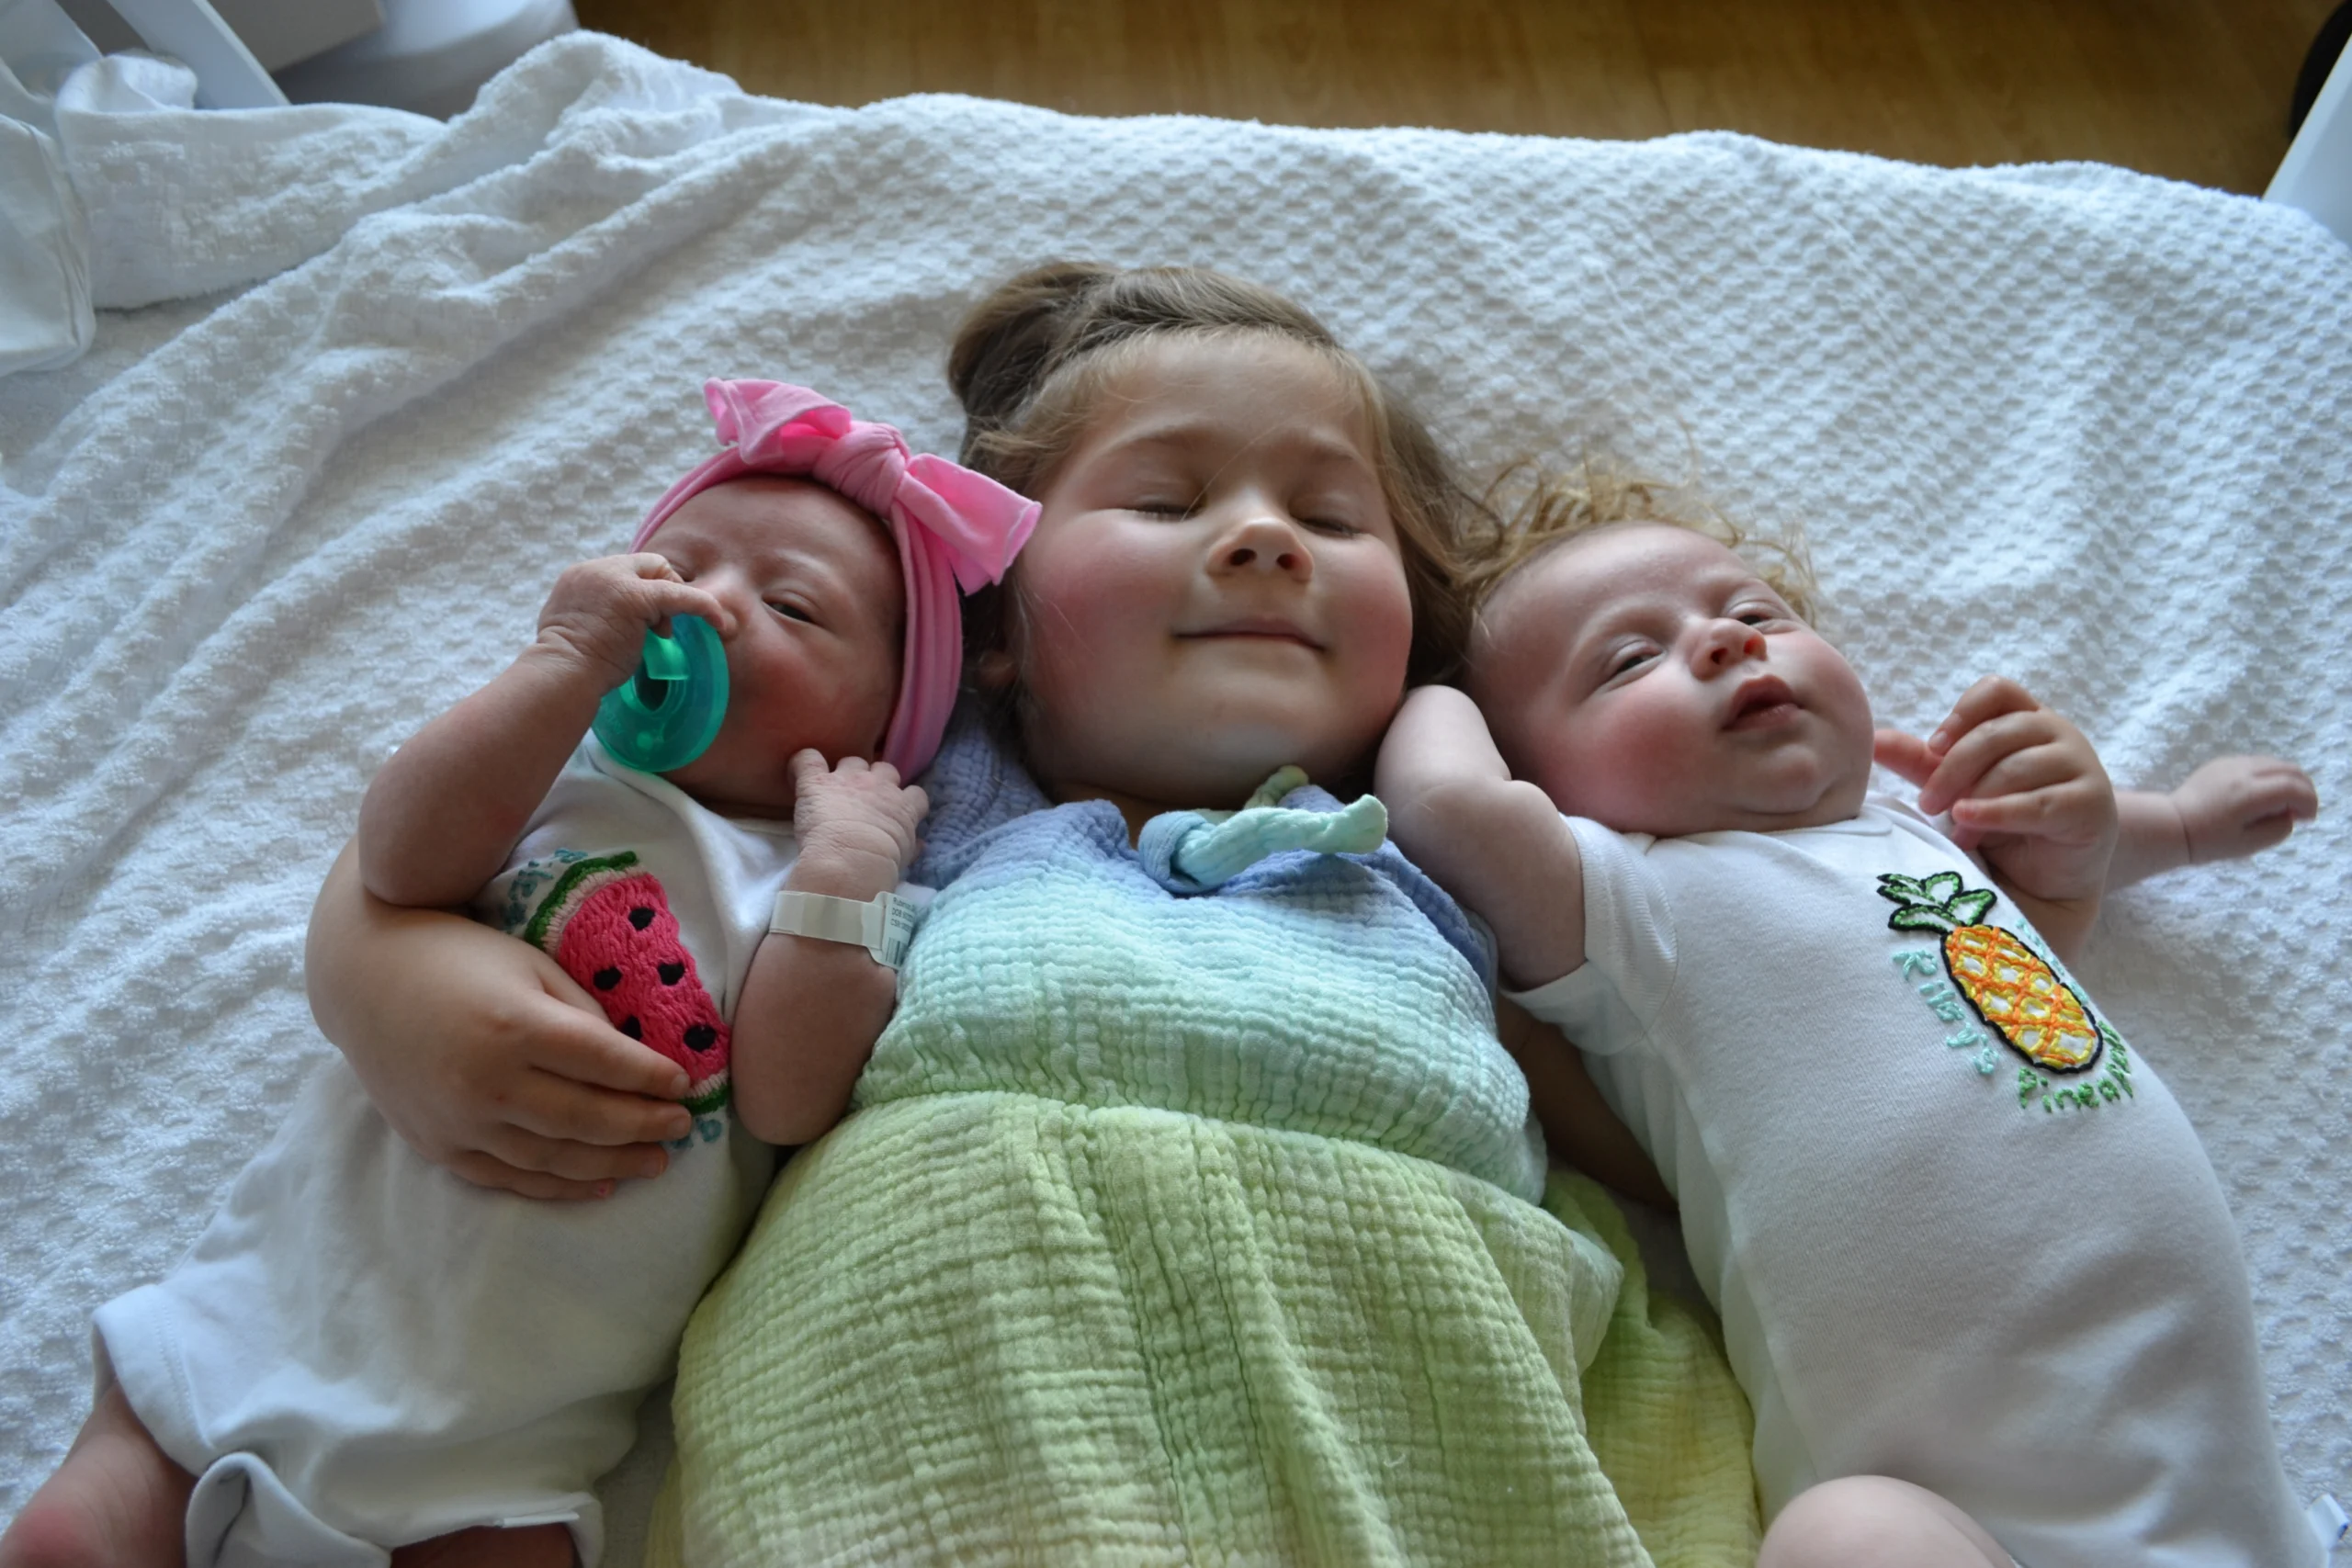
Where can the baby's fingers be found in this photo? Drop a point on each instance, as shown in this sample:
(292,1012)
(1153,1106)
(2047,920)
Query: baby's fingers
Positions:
(2009,754)
(2251,838)
(652,591)
(806,766)
(663,597)
(2062,812)
(2261,787)
(484,1170)
(1904,755)
(1988,699)
(2241,805)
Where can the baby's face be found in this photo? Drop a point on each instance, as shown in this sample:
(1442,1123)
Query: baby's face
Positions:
(819,605)
(1645,677)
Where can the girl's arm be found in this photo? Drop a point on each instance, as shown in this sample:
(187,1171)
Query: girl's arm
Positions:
(2026,792)
(812,1009)
(442,815)
(1495,844)
(2231,807)
(1579,1126)
(481,1053)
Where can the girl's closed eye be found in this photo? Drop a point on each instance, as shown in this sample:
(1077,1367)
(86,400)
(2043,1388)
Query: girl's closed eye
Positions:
(1336,526)
(791,611)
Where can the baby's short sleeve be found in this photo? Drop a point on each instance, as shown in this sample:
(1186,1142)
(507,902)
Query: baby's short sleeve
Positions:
(1611,1002)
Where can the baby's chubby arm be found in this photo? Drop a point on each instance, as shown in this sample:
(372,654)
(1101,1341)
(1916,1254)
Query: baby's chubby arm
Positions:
(2231,807)
(442,815)
(812,1009)
(1495,844)
(2026,792)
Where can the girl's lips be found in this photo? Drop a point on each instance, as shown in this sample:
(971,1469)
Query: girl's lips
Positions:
(1762,703)
(1259,627)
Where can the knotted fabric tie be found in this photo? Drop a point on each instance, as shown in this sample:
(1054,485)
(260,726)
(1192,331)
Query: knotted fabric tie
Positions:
(1199,851)
(955,530)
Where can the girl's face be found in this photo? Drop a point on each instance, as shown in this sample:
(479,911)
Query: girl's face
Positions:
(1214,588)
(814,585)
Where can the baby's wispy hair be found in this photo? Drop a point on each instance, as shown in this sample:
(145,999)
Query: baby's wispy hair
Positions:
(1543,506)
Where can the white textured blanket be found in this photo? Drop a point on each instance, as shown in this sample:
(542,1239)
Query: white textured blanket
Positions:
(367,381)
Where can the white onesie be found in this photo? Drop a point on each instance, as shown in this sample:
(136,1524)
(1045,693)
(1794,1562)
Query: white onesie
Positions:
(362,1350)
(1957,1231)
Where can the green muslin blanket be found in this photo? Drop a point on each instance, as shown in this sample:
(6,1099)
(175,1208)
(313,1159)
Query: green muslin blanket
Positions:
(1189,1212)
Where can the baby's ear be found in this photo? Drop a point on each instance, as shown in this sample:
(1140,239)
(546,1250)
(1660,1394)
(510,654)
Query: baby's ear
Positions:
(995,670)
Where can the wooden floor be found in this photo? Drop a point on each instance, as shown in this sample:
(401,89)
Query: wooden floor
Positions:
(2194,89)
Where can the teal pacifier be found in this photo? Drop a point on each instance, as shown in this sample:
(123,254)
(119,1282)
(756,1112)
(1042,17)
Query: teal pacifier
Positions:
(668,713)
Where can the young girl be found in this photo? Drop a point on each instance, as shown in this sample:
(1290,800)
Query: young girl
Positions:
(1189,1208)
(362,1353)
(1974,1270)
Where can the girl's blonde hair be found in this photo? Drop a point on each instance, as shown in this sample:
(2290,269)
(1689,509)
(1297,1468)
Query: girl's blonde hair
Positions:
(1032,360)
(1544,507)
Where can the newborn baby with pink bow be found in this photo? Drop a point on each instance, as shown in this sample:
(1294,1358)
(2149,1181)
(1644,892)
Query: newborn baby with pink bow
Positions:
(362,1350)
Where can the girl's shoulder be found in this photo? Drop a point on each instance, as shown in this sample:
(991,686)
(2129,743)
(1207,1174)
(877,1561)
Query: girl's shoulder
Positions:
(975,787)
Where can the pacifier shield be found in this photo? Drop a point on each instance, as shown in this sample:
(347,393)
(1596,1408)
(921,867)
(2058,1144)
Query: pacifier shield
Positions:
(667,714)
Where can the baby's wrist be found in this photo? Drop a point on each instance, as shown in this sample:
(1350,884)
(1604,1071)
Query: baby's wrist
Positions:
(843,871)
(2171,829)
(566,663)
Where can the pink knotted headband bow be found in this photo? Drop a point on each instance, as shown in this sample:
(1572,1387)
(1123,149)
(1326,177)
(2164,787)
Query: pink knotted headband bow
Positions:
(954,528)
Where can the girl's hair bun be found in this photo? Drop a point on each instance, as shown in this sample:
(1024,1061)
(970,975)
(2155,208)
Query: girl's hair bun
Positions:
(1010,342)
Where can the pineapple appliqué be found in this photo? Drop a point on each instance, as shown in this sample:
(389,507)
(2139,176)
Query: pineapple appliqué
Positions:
(2015,990)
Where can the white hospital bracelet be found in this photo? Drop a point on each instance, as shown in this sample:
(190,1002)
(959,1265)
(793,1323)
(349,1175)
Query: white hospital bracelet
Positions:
(883,925)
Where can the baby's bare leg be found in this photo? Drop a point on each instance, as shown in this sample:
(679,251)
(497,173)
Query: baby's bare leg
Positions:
(540,1546)
(1873,1521)
(119,1502)
(116,1500)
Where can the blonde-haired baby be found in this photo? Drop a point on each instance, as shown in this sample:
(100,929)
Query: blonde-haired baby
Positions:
(1846,1035)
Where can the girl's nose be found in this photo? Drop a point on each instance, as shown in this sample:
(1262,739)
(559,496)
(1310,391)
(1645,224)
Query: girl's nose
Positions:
(1724,642)
(1263,540)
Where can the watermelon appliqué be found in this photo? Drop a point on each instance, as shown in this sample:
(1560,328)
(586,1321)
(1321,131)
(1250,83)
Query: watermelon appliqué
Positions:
(609,925)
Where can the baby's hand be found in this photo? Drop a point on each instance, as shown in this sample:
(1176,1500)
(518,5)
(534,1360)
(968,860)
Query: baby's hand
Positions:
(2022,785)
(598,612)
(2232,807)
(855,821)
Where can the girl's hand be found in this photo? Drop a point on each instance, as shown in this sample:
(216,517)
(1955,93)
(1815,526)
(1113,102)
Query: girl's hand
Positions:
(856,824)
(598,612)
(482,1054)
(2023,787)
